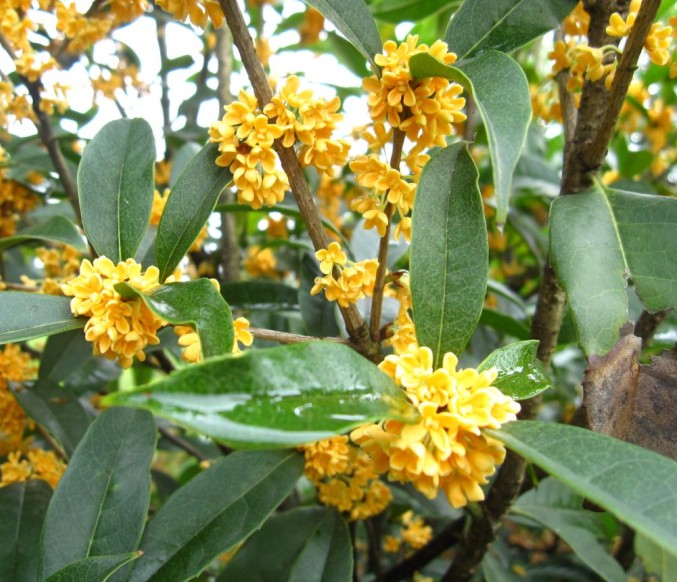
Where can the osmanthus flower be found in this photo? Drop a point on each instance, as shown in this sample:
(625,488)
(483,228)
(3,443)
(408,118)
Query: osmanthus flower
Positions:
(80,30)
(199,12)
(356,279)
(189,340)
(446,449)
(345,478)
(36,464)
(118,327)
(15,366)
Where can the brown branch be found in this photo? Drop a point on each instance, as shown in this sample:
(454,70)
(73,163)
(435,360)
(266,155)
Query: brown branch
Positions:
(355,324)
(51,441)
(283,337)
(164,85)
(182,444)
(380,282)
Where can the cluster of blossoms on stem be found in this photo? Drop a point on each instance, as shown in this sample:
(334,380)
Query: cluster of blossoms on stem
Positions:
(423,110)
(35,464)
(246,136)
(189,340)
(199,12)
(414,534)
(344,477)
(260,262)
(15,366)
(356,279)
(15,199)
(446,449)
(119,328)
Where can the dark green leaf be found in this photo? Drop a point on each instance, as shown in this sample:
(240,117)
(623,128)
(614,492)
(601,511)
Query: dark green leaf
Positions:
(520,374)
(501,92)
(558,508)
(609,472)
(99,507)
(449,252)
(395,11)
(260,295)
(275,397)
(56,229)
(319,315)
(115,186)
(354,21)
(190,202)
(23,507)
(181,159)
(25,316)
(95,569)
(58,410)
(628,234)
(306,544)
(505,324)
(191,302)
(235,495)
(503,25)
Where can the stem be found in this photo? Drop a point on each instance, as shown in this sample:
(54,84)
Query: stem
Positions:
(182,444)
(164,85)
(283,337)
(379,283)
(355,324)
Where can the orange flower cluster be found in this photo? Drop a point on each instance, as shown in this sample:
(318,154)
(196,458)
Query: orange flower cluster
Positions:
(15,199)
(38,464)
(15,366)
(345,479)
(118,328)
(446,448)
(356,279)
(199,12)
(81,31)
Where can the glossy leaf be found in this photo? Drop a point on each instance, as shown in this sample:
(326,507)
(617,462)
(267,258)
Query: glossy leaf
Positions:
(190,202)
(608,472)
(25,316)
(115,187)
(354,21)
(96,569)
(235,495)
(183,156)
(628,234)
(57,229)
(278,397)
(62,355)
(504,25)
(260,295)
(559,509)
(22,506)
(305,544)
(501,91)
(520,374)
(318,314)
(99,507)
(192,302)
(449,254)
(396,11)
(58,410)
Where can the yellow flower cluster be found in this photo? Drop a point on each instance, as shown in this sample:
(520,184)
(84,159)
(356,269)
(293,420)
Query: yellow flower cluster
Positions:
(583,62)
(13,105)
(37,464)
(356,279)
(15,199)
(199,12)
(118,328)
(345,478)
(446,448)
(402,334)
(425,109)
(311,27)
(189,340)
(260,262)
(159,203)
(81,31)
(15,366)
(63,261)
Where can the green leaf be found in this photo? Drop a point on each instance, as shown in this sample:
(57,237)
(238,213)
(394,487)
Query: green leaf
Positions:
(22,506)
(657,561)
(319,315)
(260,295)
(520,374)
(63,355)
(449,252)
(96,569)
(190,202)
(99,507)
(637,485)
(504,25)
(57,229)
(236,495)
(628,234)
(25,316)
(283,396)
(559,509)
(58,410)
(115,186)
(191,302)
(504,324)
(354,21)
(305,544)
(184,156)
(501,92)
(395,11)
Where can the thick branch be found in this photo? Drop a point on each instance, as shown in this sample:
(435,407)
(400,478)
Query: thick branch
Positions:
(355,324)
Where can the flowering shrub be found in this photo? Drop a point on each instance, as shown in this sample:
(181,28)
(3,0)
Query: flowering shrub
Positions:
(236,322)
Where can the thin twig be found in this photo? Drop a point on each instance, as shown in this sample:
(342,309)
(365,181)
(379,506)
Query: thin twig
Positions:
(58,451)
(355,324)
(182,444)
(164,85)
(282,337)
(379,283)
